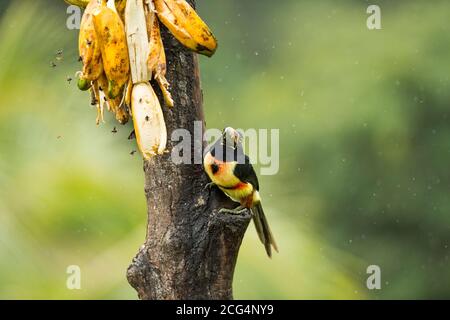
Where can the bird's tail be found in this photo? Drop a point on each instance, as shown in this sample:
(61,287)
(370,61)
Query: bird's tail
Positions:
(263,230)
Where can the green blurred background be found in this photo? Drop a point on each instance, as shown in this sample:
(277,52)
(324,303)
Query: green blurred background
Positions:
(364,169)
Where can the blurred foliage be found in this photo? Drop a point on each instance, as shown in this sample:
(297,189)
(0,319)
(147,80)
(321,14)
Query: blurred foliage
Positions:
(364,144)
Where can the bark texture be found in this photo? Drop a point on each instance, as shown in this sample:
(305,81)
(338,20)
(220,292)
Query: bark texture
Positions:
(190,250)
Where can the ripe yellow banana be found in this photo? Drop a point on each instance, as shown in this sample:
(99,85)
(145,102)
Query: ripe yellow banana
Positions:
(113,44)
(89,48)
(80,3)
(148,120)
(157,58)
(120,7)
(184,23)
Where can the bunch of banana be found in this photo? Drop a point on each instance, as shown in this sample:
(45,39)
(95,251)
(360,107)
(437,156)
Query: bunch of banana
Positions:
(122,50)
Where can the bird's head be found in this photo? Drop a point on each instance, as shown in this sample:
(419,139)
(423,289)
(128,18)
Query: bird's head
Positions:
(231,137)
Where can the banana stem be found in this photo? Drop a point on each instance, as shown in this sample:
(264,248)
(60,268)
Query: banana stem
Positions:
(79,3)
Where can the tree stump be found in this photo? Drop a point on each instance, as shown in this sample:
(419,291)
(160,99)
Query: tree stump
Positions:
(190,250)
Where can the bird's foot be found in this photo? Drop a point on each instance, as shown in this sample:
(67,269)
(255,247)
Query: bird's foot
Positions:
(209,185)
(237,210)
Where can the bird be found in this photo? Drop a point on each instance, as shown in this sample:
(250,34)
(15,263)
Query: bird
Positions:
(229,168)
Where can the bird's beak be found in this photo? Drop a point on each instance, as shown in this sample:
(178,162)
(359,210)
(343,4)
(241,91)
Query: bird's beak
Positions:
(233,134)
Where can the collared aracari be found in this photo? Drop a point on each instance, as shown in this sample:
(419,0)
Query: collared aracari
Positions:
(231,171)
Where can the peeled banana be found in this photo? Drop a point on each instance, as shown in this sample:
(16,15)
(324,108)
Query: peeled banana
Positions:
(148,120)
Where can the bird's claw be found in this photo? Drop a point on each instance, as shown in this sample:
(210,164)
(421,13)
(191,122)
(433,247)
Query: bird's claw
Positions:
(238,210)
(208,186)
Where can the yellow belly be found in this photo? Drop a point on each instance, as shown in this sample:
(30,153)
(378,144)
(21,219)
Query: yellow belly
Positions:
(240,193)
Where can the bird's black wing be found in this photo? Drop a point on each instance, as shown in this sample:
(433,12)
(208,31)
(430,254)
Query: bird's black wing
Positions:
(246,173)
(243,170)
